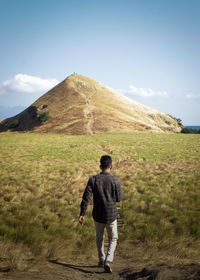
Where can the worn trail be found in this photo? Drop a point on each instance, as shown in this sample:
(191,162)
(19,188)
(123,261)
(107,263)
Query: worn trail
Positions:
(88,114)
(123,268)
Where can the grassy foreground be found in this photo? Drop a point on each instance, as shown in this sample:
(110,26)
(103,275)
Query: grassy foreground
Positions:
(42,178)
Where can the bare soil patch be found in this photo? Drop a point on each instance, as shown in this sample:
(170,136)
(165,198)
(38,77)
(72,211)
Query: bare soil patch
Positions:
(129,264)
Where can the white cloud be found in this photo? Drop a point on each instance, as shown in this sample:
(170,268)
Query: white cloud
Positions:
(133,89)
(144,92)
(23,83)
(190,95)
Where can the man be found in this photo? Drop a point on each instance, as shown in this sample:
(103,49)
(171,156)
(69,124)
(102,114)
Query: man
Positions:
(106,190)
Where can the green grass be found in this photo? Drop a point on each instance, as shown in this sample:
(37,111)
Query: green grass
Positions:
(43,177)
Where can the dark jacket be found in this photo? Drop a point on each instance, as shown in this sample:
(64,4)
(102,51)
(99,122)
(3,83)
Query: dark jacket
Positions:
(106,191)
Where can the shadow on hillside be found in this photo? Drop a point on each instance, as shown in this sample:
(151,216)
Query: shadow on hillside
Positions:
(79,267)
(26,120)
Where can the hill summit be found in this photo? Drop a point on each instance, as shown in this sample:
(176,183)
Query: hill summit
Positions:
(80,105)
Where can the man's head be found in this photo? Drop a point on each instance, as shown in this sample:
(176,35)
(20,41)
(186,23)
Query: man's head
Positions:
(106,163)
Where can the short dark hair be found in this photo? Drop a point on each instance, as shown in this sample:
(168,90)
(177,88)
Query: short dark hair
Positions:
(106,161)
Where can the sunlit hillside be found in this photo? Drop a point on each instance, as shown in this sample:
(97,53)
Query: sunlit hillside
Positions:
(80,105)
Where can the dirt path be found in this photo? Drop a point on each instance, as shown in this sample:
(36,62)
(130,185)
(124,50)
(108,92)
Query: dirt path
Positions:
(88,114)
(124,267)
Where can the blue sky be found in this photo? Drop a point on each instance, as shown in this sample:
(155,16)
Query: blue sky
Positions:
(146,49)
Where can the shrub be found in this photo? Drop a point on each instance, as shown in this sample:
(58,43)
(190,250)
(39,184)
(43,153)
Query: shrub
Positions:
(178,120)
(4,124)
(14,123)
(44,117)
(190,130)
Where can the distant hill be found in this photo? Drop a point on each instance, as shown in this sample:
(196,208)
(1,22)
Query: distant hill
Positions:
(80,105)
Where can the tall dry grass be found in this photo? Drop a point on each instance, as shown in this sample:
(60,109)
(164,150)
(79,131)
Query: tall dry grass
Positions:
(43,177)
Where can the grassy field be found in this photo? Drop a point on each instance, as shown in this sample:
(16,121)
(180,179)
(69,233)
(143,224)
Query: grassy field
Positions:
(42,178)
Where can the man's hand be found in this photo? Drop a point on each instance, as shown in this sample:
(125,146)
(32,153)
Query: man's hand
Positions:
(81,219)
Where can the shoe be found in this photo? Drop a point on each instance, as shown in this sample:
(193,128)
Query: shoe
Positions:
(101,264)
(107,267)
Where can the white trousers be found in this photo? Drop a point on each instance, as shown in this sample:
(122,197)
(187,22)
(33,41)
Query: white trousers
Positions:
(112,240)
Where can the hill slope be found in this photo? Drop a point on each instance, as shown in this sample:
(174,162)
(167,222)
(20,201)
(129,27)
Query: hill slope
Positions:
(80,105)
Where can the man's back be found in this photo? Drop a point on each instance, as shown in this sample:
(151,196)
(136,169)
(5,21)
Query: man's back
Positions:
(106,191)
